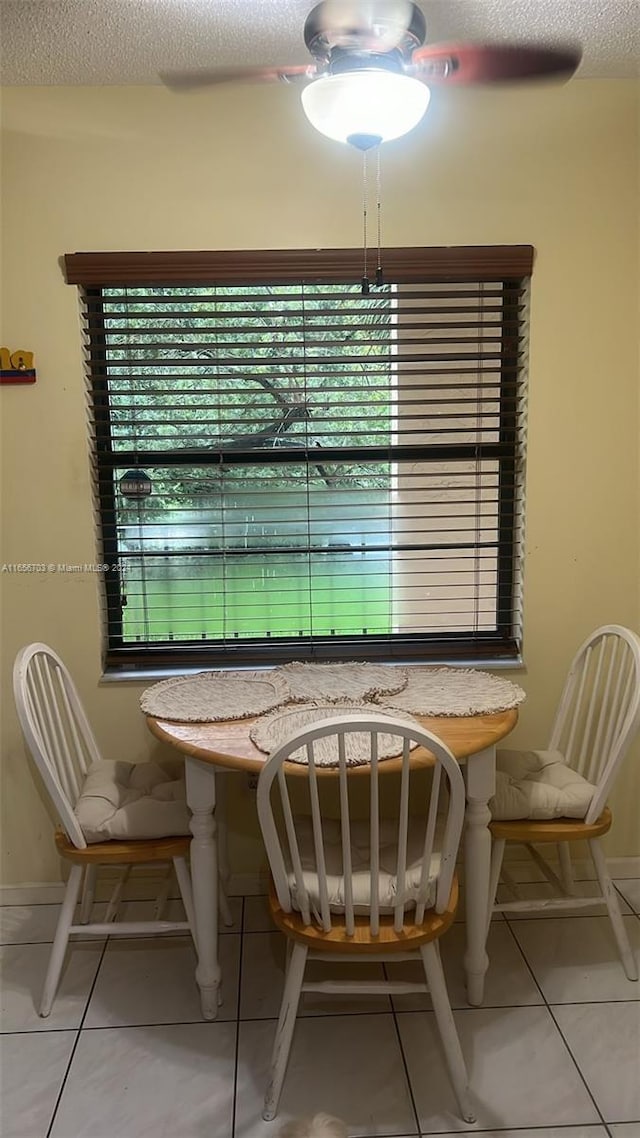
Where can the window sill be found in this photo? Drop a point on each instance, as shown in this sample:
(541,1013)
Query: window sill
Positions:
(151,675)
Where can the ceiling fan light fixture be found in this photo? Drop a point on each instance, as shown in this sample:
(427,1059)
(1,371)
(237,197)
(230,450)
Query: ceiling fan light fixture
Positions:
(369,103)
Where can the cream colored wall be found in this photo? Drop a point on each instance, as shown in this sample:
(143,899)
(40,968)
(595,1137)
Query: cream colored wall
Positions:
(108,168)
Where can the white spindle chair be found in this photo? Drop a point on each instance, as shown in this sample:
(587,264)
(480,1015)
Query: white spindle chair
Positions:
(597,718)
(332,904)
(63,747)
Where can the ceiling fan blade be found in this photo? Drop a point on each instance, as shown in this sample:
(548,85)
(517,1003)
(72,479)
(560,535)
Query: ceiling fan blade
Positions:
(212,76)
(458,63)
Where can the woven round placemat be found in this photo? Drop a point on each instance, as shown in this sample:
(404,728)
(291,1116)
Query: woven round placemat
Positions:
(277,728)
(454,691)
(341,681)
(210,697)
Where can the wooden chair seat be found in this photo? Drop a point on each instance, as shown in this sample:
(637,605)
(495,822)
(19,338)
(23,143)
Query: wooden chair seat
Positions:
(123,853)
(556,830)
(363,941)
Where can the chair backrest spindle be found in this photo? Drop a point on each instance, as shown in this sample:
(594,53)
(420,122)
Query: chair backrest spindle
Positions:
(403,840)
(55,728)
(605,719)
(318,839)
(345,829)
(599,710)
(280,877)
(409,861)
(586,748)
(429,839)
(50,721)
(374,839)
(576,712)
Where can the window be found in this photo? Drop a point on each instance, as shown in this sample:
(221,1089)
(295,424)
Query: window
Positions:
(288,469)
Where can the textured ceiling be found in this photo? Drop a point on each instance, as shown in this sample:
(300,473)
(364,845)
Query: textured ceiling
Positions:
(129,41)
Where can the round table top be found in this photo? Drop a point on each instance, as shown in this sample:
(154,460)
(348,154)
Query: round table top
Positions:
(229,745)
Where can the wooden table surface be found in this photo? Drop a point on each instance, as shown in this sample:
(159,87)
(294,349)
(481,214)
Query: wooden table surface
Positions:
(228,744)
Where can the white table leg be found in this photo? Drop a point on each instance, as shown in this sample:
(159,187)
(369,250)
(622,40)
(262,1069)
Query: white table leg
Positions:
(223,845)
(201,800)
(480,771)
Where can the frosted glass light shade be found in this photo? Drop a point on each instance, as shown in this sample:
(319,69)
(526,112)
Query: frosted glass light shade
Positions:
(366,103)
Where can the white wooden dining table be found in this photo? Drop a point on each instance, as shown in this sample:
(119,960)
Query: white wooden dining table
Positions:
(227,746)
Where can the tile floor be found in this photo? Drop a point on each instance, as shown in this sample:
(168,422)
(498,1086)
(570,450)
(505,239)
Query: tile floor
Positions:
(554,1053)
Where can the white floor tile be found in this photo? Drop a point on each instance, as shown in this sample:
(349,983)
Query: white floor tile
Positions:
(577,961)
(508,981)
(257,918)
(513,1050)
(548,1132)
(139,887)
(147,1082)
(23,969)
(262,975)
(523,869)
(461,911)
(630,889)
(348,1066)
(263,979)
(535,890)
(152,982)
(136,910)
(33,1068)
(627,869)
(520,1071)
(36,924)
(28,924)
(235,904)
(605,1042)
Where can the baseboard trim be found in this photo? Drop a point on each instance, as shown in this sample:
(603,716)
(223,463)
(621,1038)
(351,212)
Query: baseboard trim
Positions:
(621,868)
(32,893)
(145,888)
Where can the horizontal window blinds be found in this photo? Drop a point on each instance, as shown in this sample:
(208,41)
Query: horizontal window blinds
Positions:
(293,469)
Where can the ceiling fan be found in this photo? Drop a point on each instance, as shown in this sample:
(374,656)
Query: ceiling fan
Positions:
(371,70)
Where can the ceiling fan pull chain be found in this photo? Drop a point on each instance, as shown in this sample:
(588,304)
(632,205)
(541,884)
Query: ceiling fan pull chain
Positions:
(365,279)
(379,273)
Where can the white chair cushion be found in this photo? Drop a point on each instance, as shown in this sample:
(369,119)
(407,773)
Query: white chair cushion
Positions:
(360,859)
(133,801)
(538,785)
